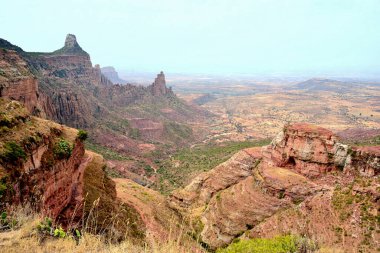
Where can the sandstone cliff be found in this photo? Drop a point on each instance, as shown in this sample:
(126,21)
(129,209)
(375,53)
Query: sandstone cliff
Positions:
(45,165)
(16,81)
(304,176)
(112,75)
(69,90)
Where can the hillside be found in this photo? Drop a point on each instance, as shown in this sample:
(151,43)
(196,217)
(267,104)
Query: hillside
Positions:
(73,92)
(304,183)
(48,180)
(131,120)
(305,190)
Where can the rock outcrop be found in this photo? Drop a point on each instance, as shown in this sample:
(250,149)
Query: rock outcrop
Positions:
(112,75)
(158,87)
(16,81)
(313,151)
(31,168)
(45,165)
(255,188)
(65,87)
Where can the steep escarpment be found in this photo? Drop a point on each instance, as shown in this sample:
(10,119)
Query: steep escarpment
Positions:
(40,162)
(112,75)
(16,81)
(71,91)
(305,182)
(45,165)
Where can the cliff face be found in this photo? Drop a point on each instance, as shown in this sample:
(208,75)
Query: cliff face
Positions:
(158,87)
(44,164)
(30,167)
(112,75)
(304,175)
(64,86)
(16,81)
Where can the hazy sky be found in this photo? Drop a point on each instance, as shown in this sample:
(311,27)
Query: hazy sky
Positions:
(206,36)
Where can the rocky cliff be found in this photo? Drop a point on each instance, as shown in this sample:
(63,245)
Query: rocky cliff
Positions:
(45,165)
(290,186)
(158,87)
(16,81)
(112,75)
(65,87)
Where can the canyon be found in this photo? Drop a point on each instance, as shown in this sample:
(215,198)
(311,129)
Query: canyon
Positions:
(308,181)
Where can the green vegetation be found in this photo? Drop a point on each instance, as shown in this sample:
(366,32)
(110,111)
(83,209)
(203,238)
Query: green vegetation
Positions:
(7,222)
(62,149)
(280,244)
(177,131)
(12,153)
(107,153)
(375,141)
(187,163)
(45,227)
(134,133)
(82,135)
(344,202)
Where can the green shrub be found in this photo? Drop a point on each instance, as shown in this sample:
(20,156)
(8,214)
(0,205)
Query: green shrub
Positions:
(62,149)
(59,232)
(13,152)
(46,227)
(280,244)
(7,222)
(134,133)
(82,135)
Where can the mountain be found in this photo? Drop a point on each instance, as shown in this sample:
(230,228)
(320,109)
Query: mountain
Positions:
(111,74)
(73,92)
(305,182)
(320,84)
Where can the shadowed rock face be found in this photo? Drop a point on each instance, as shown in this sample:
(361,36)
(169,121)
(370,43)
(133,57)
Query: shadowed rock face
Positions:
(16,81)
(256,185)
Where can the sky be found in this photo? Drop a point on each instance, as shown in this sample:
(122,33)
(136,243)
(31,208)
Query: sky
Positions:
(281,37)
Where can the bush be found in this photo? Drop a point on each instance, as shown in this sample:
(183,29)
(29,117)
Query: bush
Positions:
(279,244)
(82,135)
(13,152)
(134,133)
(62,149)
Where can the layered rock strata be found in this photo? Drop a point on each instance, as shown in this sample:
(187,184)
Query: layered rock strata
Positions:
(301,166)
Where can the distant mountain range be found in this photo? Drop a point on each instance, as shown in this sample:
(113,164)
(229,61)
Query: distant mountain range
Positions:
(320,84)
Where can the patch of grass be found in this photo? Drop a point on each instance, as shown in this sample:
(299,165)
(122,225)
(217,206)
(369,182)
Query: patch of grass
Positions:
(12,153)
(62,149)
(177,131)
(107,153)
(82,135)
(134,133)
(176,171)
(280,244)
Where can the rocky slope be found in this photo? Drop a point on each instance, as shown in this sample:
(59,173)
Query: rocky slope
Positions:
(45,165)
(305,182)
(65,87)
(71,91)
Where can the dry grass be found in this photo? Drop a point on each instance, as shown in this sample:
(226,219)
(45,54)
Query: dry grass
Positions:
(25,237)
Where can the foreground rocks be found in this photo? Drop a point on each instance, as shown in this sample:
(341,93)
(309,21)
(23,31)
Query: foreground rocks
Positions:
(292,185)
